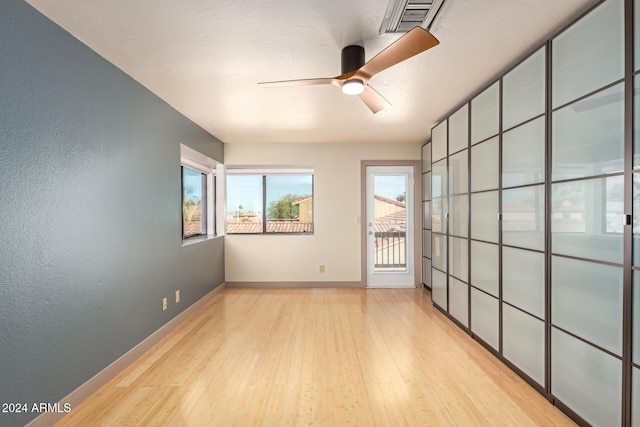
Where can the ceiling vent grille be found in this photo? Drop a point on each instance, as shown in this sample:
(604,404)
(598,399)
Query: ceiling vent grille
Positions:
(403,15)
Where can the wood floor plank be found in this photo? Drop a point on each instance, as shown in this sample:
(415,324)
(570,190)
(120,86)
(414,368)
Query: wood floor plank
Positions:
(317,357)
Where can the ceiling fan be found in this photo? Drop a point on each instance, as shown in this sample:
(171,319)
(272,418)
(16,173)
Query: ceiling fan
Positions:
(356,74)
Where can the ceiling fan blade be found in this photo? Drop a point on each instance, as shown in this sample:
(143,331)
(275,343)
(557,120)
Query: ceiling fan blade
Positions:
(373,99)
(412,43)
(299,82)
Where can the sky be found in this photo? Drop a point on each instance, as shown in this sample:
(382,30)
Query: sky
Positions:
(246,190)
(192,183)
(390,186)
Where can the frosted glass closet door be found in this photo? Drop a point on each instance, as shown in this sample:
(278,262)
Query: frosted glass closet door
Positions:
(587,301)
(426,157)
(586,218)
(523,91)
(485,114)
(590,54)
(459,130)
(484,317)
(588,136)
(636,318)
(439,197)
(523,280)
(523,342)
(426,243)
(586,379)
(459,300)
(459,215)
(439,142)
(485,166)
(426,186)
(439,251)
(523,217)
(484,267)
(484,216)
(439,288)
(459,258)
(523,154)
(459,173)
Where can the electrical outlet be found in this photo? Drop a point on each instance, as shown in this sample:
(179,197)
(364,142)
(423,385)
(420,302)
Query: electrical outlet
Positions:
(177,296)
(165,304)
(321,268)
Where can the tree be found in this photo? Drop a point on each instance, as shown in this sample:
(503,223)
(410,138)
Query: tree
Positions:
(401,197)
(284,207)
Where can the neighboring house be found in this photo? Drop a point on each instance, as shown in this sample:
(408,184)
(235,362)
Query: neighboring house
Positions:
(251,222)
(251,216)
(390,218)
(305,208)
(384,206)
(238,226)
(389,214)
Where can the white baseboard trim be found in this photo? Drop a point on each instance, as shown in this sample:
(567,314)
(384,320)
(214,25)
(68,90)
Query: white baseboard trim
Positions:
(290,285)
(391,286)
(101,378)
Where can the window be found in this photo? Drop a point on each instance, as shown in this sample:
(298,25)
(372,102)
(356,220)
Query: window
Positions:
(269,201)
(198,194)
(194,203)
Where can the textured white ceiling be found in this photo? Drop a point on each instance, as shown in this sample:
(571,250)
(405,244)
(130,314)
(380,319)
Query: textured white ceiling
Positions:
(205,58)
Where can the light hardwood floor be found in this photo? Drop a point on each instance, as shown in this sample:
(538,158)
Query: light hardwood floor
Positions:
(319,357)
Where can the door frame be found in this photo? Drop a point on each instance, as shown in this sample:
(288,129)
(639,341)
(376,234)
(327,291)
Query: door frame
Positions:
(417,203)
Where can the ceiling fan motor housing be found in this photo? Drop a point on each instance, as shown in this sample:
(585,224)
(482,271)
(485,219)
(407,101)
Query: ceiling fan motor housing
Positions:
(352,58)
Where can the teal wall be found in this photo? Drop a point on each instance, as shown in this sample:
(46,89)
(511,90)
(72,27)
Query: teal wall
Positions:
(90,235)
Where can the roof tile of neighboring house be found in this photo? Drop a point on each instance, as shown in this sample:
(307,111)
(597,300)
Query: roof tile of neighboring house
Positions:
(301,199)
(395,221)
(289,226)
(283,226)
(389,200)
(250,214)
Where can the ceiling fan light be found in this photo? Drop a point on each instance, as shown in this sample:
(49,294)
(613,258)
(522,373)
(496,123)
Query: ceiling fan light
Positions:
(353,87)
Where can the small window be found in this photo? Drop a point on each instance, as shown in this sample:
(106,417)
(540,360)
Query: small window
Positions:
(198,178)
(194,203)
(269,202)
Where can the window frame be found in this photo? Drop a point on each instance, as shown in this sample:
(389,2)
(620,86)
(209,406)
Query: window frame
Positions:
(209,169)
(204,197)
(263,173)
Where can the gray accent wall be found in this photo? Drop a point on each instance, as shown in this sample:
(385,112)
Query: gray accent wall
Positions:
(90,212)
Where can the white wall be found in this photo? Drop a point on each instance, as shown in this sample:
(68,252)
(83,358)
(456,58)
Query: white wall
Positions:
(336,239)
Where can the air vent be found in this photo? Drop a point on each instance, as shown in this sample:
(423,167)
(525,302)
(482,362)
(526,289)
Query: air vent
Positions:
(403,15)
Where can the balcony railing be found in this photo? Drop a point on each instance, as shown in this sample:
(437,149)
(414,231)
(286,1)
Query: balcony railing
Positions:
(390,250)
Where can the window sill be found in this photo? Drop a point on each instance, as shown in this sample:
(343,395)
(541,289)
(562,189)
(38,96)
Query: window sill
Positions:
(193,240)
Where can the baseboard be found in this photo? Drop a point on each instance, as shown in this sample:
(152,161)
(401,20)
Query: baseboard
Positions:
(101,378)
(290,285)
